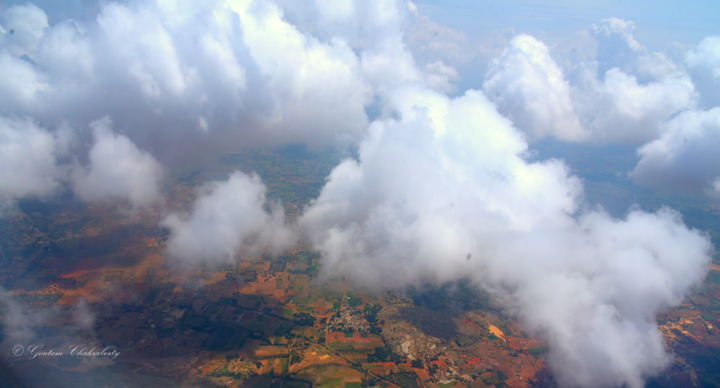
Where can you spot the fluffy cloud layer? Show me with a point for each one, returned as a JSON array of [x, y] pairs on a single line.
[[445, 193], [228, 218]]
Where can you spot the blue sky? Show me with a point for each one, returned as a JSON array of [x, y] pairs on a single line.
[[659, 22]]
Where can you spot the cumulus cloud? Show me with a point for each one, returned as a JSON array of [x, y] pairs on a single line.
[[445, 192], [22, 28], [623, 95], [35, 162], [431, 41], [620, 109], [441, 76], [617, 47], [703, 63], [529, 87], [228, 218], [685, 158], [628, 92], [189, 82], [28, 160], [377, 31], [210, 76], [117, 170]]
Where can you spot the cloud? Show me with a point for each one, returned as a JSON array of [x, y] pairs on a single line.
[[617, 47], [117, 170], [445, 192], [28, 160], [620, 109], [35, 162], [704, 66], [628, 92], [22, 28], [83, 316], [19, 322], [529, 87], [715, 189], [623, 95], [685, 157], [23, 324], [228, 218], [189, 82], [378, 33], [159, 69], [440, 76], [431, 41]]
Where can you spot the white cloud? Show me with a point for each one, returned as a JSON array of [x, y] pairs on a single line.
[[635, 92], [150, 59], [619, 109], [685, 158], [20, 84], [529, 87], [704, 66], [431, 41], [228, 218], [628, 92], [618, 48], [445, 193], [22, 28], [158, 68], [28, 160], [440, 76], [624, 95], [117, 170], [19, 322], [303, 71]]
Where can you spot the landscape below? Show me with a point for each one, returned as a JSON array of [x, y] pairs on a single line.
[[271, 320]]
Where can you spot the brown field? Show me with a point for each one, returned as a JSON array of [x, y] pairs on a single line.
[[357, 340], [331, 376], [271, 351]]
